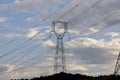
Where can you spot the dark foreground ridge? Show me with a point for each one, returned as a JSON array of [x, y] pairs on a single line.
[[68, 76]]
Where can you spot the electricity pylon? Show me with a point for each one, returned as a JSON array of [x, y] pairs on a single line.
[[60, 29], [117, 67]]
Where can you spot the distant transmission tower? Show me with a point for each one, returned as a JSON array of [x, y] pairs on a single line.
[[59, 29], [117, 67]]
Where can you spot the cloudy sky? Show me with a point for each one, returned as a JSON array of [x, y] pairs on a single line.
[[26, 50]]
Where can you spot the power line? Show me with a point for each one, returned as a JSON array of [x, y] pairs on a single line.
[[30, 62], [43, 20], [66, 12], [95, 24], [49, 16], [29, 51], [101, 30], [52, 13], [23, 42], [13, 40], [13, 50], [85, 11], [19, 46], [103, 19], [77, 5], [94, 4], [26, 54], [22, 54]]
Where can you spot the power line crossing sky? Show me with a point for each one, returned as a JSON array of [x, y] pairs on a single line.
[[25, 27]]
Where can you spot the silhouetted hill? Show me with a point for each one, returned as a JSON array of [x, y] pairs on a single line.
[[67, 76]]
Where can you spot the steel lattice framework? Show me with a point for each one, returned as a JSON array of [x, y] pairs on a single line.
[[117, 67], [59, 29]]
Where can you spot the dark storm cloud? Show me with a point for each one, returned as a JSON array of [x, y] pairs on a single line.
[[114, 22], [93, 55]]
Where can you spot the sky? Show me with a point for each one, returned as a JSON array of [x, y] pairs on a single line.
[[27, 51]]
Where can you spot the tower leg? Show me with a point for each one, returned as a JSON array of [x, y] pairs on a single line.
[[60, 63], [117, 67]]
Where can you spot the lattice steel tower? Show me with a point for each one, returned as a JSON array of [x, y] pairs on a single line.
[[59, 29], [117, 67]]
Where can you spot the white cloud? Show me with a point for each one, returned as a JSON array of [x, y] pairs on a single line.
[[48, 43], [3, 19], [73, 67], [89, 42], [4, 70], [74, 31], [93, 51], [29, 19], [113, 34], [83, 42], [31, 32], [93, 30]]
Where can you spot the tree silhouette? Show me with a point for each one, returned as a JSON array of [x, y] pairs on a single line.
[[68, 76]]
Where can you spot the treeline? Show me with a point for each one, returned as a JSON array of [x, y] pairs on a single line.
[[66, 76]]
